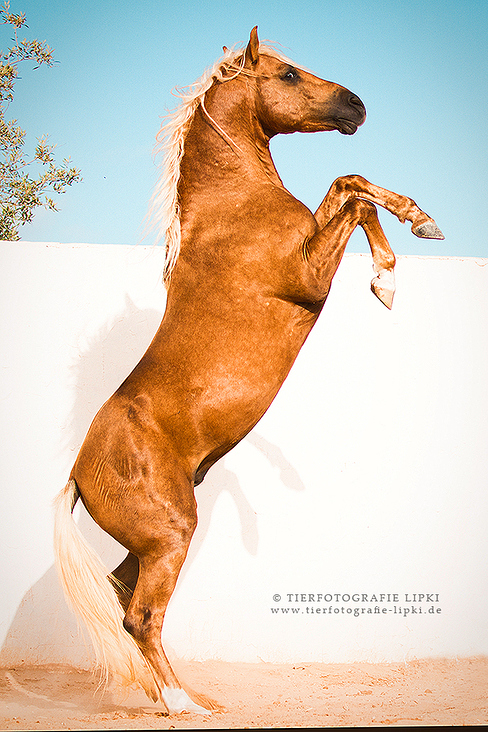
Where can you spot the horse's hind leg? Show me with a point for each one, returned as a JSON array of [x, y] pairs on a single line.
[[126, 575], [144, 621], [163, 546]]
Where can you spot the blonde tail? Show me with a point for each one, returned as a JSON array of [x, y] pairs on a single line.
[[92, 597]]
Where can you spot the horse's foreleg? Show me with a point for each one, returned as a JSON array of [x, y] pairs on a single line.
[[323, 252], [383, 285], [404, 208], [351, 187]]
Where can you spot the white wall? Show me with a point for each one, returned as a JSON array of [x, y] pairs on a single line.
[[367, 475]]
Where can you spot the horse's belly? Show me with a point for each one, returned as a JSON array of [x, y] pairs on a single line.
[[230, 389]]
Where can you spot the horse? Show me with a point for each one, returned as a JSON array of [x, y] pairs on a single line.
[[248, 269]]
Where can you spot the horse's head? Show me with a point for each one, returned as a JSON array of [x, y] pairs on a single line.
[[290, 99]]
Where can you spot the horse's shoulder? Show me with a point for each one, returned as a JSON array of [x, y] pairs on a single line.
[[278, 201], [297, 214]]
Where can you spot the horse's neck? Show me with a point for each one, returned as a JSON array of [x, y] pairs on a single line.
[[225, 145]]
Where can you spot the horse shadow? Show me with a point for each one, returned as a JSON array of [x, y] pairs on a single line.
[[221, 480], [43, 621]]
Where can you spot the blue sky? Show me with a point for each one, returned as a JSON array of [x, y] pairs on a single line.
[[419, 67]]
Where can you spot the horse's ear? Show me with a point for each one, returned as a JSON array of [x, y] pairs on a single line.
[[252, 50]]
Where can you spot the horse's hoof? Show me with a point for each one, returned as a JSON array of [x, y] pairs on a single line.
[[428, 230], [383, 286], [177, 701]]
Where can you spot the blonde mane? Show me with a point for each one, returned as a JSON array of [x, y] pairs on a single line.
[[164, 214]]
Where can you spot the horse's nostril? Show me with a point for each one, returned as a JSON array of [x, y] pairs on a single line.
[[359, 109], [355, 101]]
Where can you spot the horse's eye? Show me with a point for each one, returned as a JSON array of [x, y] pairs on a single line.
[[291, 75]]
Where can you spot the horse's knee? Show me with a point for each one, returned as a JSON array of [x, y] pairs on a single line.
[[349, 184], [360, 210]]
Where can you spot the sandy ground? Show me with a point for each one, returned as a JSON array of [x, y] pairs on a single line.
[[429, 692]]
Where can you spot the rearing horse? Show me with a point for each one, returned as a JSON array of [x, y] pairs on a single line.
[[248, 271]]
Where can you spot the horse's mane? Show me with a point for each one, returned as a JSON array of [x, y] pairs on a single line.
[[164, 215]]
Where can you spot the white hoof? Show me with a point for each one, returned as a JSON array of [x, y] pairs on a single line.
[[178, 701], [383, 286]]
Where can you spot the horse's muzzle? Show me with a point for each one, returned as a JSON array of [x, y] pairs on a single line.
[[352, 116]]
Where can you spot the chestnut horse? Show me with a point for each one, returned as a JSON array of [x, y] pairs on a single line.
[[248, 271]]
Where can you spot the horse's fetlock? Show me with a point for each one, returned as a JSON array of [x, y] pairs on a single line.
[[389, 261], [407, 211]]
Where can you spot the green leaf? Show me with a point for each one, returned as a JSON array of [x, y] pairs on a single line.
[[21, 193]]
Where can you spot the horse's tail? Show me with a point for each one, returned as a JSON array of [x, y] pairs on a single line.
[[91, 595]]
